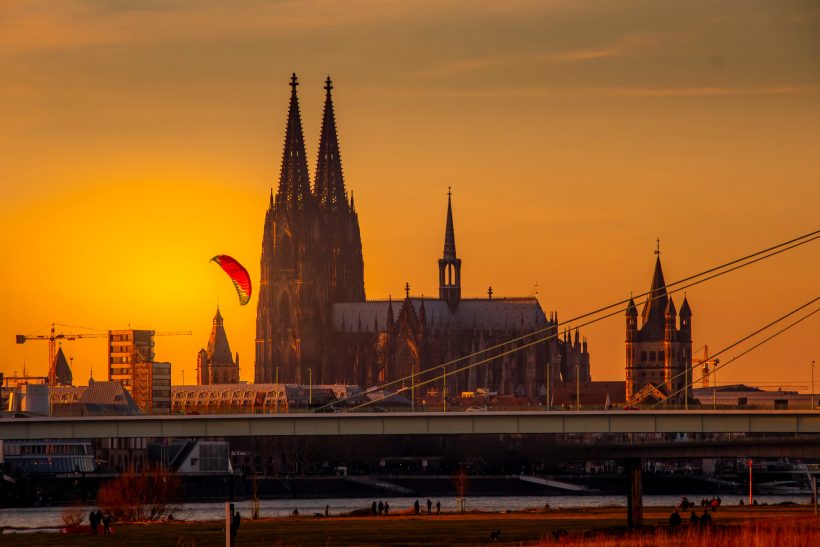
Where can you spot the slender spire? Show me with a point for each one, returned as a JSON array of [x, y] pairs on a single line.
[[449, 266], [685, 310], [449, 231], [631, 310], [655, 306], [330, 184], [294, 182]]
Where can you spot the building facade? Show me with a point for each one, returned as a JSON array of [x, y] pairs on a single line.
[[659, 351], [315, 325], [125, 349], [215, 364], [131, 363]]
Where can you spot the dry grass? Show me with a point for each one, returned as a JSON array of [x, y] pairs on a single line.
[[782, 532], [601, 527]]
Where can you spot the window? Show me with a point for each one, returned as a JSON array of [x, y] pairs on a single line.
[[643, 357], [651, 355], [660, 355]]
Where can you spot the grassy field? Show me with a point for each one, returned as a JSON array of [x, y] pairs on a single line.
[[746, 526]]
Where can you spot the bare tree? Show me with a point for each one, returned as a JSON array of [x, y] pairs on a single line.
[[461, 481], [139, 497]]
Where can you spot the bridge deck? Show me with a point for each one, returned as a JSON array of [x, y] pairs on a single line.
[[428, 423]]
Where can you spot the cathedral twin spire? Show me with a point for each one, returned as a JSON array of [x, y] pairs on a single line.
[[294, 181]]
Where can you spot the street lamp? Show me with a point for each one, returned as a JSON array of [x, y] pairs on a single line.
[[276, 400], [310, 387], [413, 389], [577, 388], [750, 481], [812, 385], [444, 391]]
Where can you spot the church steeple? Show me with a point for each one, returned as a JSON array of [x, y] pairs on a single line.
[[330, 186], [655, 307], [294, 182], [449, 266]]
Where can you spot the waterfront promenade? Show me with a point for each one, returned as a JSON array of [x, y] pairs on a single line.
[[537, 527]]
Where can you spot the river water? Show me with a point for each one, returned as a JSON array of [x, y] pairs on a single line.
[[45, 517]]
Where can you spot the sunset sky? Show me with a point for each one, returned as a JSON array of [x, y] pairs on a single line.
[[140, 138]]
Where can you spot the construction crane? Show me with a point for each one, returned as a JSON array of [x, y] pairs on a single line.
[[52, 339], [706, 372]]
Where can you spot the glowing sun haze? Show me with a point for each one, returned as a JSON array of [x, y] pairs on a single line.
[[141, 138]]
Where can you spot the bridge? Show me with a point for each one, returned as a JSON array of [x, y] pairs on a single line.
[[793, 422], [625, 435]]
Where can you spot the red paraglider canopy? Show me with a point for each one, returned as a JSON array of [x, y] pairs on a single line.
[[239, 276]]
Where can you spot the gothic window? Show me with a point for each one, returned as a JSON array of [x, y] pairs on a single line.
[[643, 357], [651, 355], [284, 310], [660, 355]]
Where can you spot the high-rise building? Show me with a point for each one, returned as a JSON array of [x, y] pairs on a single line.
[[131, 363], [125, 349], [216, 365], [659, 352], [313, 318]]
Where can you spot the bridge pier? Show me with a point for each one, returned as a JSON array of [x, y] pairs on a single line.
[[634, 495]]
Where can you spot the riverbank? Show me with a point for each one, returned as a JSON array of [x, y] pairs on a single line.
[[601, 527]]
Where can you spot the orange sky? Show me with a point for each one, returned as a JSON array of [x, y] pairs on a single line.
[[139, 139]]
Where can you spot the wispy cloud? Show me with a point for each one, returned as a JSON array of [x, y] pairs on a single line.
[[32, 25], [632, 43]]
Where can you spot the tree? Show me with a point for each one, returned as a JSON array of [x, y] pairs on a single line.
[[139, 497], [461, 481]]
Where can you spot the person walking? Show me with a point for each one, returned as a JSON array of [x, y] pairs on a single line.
[[327, 510], [429, 507], [373, 509], [705, 519], [106, 524], [235, 522], [94, 522], [386, 509], [438, 508], [693, 519], [417, 507]]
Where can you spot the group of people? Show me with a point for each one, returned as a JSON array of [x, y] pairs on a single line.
[[95, 518], [694, 520], [417, 507], [383, 508], [713, 503]]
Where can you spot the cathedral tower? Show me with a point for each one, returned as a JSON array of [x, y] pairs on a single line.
[[292, 307], [345, 267], [311, 258]]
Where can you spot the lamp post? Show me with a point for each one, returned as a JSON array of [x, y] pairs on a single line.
[[444, 391], [310, 387], [751, 499], [577, 388], [813, 407], [413, 390], [549, 371], [276, 401]]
